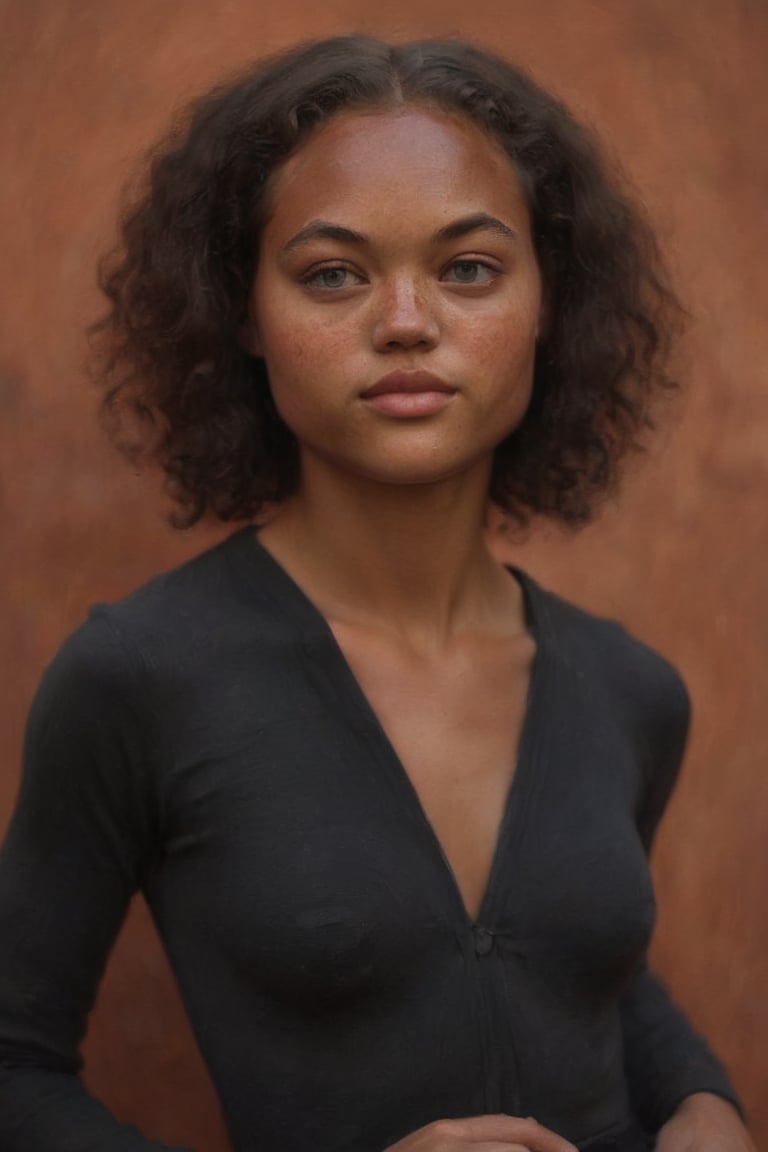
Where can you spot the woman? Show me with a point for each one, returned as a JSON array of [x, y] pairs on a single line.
[[389, 802]]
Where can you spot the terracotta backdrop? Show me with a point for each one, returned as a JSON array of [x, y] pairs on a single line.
[[679, 89]]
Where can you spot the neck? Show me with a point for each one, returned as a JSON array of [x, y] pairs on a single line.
[[411, 559]]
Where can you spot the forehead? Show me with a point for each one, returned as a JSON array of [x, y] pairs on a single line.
[[405, 166]]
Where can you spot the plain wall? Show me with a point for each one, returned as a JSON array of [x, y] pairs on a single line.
[[679, 90]]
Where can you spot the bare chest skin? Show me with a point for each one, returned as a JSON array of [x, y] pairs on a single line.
[[455, 723]]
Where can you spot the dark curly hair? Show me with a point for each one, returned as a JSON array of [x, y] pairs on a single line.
[[169, 349]]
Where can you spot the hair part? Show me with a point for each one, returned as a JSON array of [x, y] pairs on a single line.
[[181, 390]]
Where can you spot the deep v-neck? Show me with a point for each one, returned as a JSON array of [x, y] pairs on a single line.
[[315, 629]]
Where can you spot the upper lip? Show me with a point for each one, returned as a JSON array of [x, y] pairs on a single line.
[[407, 382]]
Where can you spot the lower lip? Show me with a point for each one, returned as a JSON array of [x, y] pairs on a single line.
[[410, 405]]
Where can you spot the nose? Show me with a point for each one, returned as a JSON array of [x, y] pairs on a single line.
[[405, 317]]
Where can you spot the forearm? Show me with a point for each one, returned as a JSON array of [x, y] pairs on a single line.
[[666, 1061], [704, 1123], [68, 868], [44, 1111]]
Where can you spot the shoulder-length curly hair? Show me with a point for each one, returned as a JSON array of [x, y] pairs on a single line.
[[178, 285]]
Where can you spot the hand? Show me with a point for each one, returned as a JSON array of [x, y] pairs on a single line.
[[484, 1134], [704, 1123]]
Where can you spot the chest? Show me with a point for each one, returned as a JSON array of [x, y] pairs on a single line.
[[297, 813], [455, 724]]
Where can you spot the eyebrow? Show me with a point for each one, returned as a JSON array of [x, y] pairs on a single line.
[[325, 230], [477, 222]]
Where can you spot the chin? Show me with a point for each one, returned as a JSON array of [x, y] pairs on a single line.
[[421, 458], [413, 473]]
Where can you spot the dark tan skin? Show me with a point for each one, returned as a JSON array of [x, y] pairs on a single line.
[[386, 533]]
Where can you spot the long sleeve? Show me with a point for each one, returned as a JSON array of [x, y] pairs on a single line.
[[74, 853], [665, 1059]]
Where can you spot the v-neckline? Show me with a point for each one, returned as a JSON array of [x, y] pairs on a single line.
[[315, 627]]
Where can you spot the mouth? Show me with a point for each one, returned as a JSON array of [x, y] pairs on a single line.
[[408, 384], [409, 395]]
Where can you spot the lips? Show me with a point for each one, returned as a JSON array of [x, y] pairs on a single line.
[[409, 395], [407, 383]]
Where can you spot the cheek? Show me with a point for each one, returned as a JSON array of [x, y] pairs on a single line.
[[303, 352], [504, 349], [504, 332], [304, 362], [504, 354]]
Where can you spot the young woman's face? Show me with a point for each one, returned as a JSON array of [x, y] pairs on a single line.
[[397, 297]]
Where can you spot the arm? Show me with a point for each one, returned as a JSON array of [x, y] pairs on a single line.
[[74, 854], [675, 1081], [665, 1060], [704, 1123]]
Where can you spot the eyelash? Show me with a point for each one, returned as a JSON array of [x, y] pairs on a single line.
[[474, 263], [312, 278]]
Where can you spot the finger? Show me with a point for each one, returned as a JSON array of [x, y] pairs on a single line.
[[495, 1146], [511, 1130]]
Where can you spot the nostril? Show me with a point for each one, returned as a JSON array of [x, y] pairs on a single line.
[[406, 327]]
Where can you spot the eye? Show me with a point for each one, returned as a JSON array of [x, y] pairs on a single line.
[[470, 272], [332, 277]]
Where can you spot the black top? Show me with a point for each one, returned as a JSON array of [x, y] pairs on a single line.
[[205, 740]]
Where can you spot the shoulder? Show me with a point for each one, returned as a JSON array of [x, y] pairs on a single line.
[[618, 677], [187, 599], [218, 601], [603, 651], [625, 683], [168, 625], [135, 667]]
